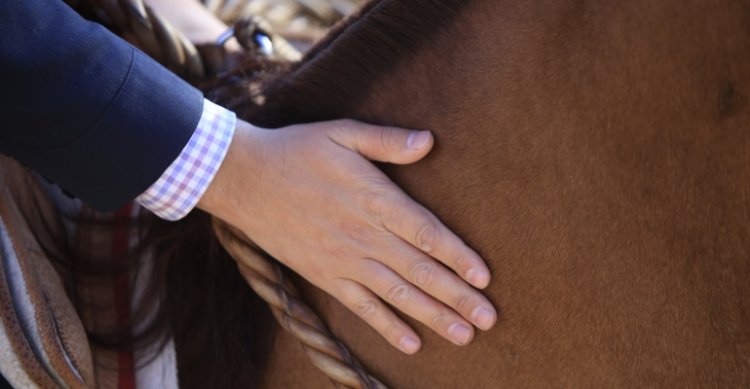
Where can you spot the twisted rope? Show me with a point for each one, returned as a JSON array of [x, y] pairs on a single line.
[[326, 12], [303, 21], [170, 47], [153, 34], [267, 280], [248, 27], [166, 44]]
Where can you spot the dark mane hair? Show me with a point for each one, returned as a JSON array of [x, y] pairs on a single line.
[[336, 74]]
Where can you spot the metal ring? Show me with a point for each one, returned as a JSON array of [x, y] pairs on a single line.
[[225, 36]]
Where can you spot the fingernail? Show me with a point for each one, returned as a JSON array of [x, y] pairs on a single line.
[[408, 344], [417, 140], [483, 318], [478, 278], [459, 333]]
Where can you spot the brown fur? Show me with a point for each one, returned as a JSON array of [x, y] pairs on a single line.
[[597, 154]]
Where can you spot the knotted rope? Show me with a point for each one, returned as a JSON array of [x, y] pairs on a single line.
[[170, 47]]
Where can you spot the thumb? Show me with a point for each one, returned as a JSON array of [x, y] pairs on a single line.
[[385, 144]]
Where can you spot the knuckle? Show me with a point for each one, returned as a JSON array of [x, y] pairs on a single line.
[[344, 124], [399, 294], [374, 201], [333, 249], [425, 236], [365, 308], [461, 263], [357, 233], [438, 321], [392, 331], [422, 273], [389, 139], [341, 127], [315, 272], [463, 304]]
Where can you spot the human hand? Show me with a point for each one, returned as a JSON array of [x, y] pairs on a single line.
[[307, 195]]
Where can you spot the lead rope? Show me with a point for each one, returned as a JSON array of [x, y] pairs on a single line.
[[164, 43], [267, 280], [323, 12], [170, 47], [152, 33]]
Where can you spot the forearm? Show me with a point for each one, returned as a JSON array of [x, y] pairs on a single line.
[[86, 109]]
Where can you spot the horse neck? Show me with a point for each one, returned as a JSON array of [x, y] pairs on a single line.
[[335, 76], [516, 91], [597, 156]]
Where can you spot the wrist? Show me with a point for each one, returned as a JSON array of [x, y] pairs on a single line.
[[242, 162], [179, 188]]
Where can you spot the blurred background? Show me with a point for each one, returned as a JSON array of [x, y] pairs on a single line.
[[154, 26], [302, 22]]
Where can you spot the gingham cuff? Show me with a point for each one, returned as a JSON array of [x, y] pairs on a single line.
[[182, 185]]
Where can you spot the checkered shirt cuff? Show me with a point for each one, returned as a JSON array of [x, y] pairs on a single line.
[[182, 185]]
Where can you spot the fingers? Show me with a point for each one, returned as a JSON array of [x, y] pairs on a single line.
[[409, 299], [417, 226], [353, 205], [385, 144], [372, 310], [442, 284], [369, 308], [401, 215]]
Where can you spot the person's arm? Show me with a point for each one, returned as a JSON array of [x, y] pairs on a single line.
[[86, 109], [106, 123], [307, 196]]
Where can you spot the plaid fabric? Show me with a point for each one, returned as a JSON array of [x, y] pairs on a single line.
[[113, 370], [101, 237], [115, 298], [185, 181]]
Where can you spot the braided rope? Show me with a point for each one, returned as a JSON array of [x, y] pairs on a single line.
[[267, 280]]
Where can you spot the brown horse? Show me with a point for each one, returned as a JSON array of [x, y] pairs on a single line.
[[597, 154]]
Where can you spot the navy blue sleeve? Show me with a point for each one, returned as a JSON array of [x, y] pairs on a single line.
[[84, 108]]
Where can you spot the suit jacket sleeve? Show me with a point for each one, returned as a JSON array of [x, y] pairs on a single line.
[[84, 108]]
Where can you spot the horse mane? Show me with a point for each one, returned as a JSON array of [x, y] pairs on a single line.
[[336, 74]]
